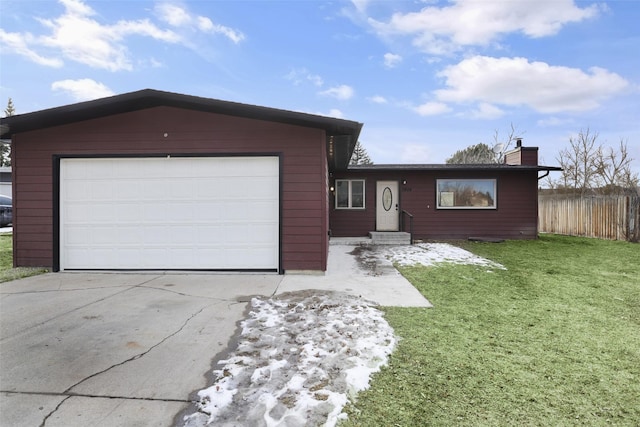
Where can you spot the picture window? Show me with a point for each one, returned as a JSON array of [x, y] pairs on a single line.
[[466, 193]]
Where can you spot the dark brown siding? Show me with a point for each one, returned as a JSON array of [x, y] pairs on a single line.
[[304, 193], [516, 216], [529, 156], [522, 156]]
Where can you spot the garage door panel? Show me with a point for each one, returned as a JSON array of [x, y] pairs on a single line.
[[76, 170], [76, 215], [77, 236], [178, 213], [78, 190]]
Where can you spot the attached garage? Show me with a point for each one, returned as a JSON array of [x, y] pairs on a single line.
[[169, 213], [164, 181]]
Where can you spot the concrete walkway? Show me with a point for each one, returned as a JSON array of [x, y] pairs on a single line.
[[350, 270], [101, 349]]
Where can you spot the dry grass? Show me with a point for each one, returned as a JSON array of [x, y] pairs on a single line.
[[7, 272]]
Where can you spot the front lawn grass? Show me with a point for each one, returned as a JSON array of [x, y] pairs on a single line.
[[7, 272], [554, 340]]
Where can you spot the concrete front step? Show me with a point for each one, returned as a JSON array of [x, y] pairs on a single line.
[[390, 238], [351, 241]]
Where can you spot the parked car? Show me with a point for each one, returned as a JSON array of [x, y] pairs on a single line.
[[6, 211]]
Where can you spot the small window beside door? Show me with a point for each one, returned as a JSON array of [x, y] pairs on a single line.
[[349, 193]]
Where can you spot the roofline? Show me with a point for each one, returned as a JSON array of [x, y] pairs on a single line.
[[345, 133], [149, 98], [443, 167]]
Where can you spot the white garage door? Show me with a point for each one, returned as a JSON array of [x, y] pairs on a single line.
[[169, 213]]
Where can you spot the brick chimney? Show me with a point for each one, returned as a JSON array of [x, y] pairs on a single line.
[[521, 155]]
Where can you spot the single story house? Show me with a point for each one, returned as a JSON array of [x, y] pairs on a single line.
[[153, 180], [441, 201]]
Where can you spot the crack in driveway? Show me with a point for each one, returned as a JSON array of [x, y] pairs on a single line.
[[97, 396], [192, 312], [68, 396], [68, 393], [75, 308], [44, 291], [139, 355], [185, 294], [44, 420]]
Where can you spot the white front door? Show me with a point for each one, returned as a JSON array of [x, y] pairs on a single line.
[[387, 206]]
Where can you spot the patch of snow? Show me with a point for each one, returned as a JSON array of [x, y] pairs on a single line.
[[301, 356], [429, 254]]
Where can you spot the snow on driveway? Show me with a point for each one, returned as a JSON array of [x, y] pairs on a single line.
[[301, 356]]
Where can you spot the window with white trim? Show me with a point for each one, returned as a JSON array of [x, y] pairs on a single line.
[[466, 193], [349, 193]]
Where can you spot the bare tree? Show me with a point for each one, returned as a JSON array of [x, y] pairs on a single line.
[[501, 146], [614, 169], [483, 153], [588, 167], [578, 162], [360, 156]]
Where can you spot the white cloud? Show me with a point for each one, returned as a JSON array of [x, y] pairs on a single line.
[[154, 63], [19, 44], [204, 23], [554, 121], [77, 7], [432, 108], [487, 111], [173, 15], [377, 99], [180, 17], [538, 85], [143, 27], [441, 30], [301, 75], [233, 35], [334, 112], [77, 35], [315, 79], [391, 60], [360, 5], [342, 92], [415, 153], [82, 89], [80, 38]]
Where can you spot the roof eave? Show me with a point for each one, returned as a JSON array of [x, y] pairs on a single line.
[[342, 133], [449, 167], [149, 98]]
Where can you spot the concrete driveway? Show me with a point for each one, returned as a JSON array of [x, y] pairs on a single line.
[[79, 349], [114, 349]]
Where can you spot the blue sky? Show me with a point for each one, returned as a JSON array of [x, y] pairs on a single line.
[[426, 78]]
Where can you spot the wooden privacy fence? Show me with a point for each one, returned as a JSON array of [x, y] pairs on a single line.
[[603, 217]]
